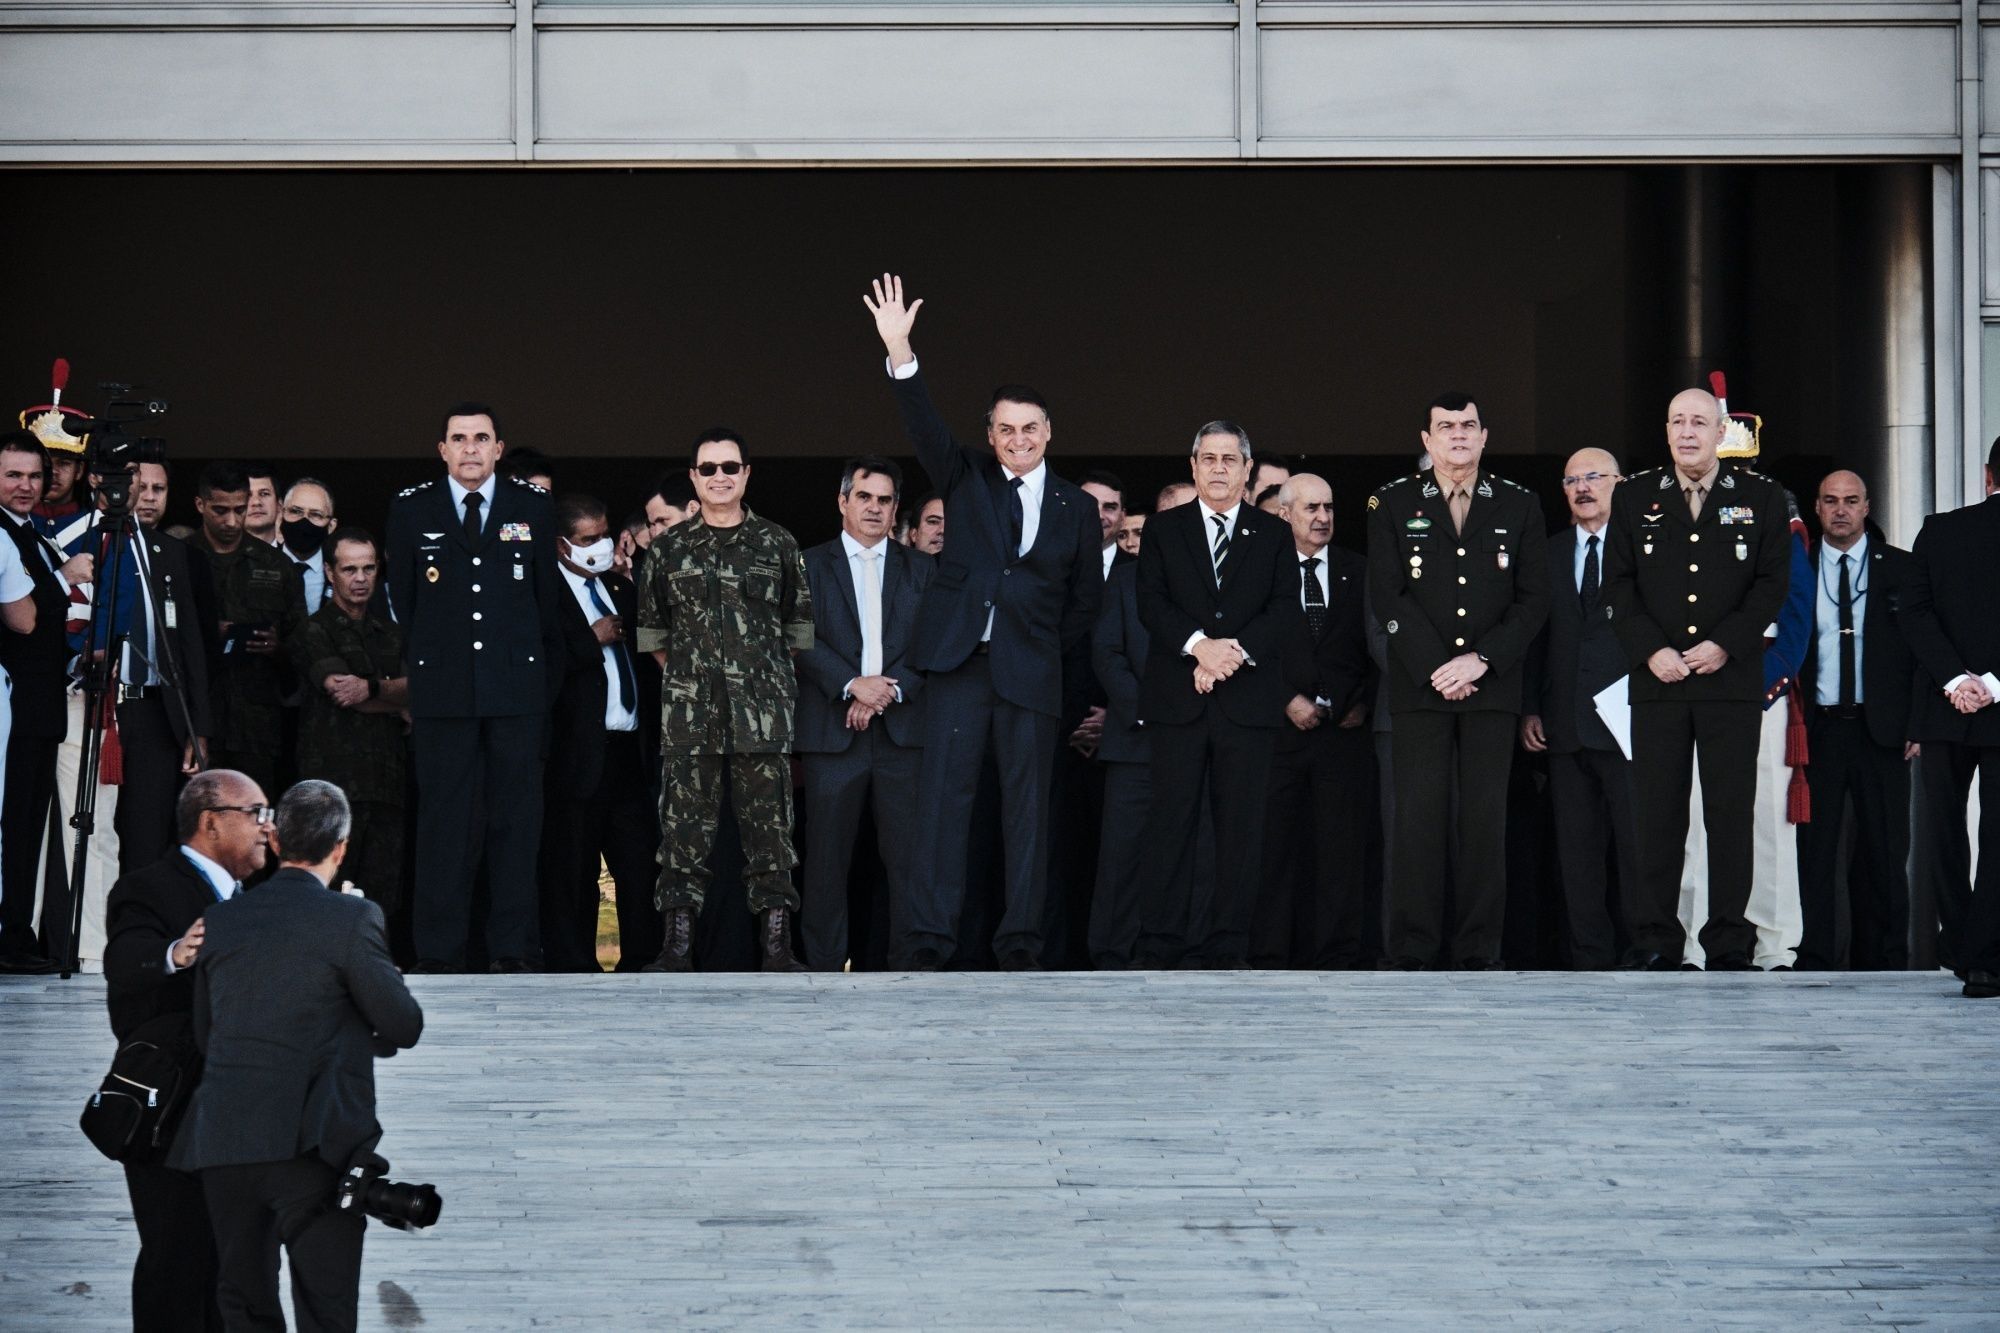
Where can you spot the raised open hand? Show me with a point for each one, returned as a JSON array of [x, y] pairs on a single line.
[[893, 319]]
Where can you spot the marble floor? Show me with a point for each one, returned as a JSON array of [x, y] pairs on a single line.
[[1185, 1150]]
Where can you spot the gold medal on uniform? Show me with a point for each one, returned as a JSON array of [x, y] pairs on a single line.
[[432, 573]]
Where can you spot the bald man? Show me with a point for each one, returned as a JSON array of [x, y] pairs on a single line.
[[1590, 779], [1858, 679], [1698, 565]]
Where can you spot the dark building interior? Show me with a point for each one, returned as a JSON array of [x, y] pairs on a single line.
[[322, 318]]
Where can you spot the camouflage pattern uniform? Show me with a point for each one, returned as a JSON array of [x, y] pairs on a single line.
[[727, 606], [361, 753], [254, 584]]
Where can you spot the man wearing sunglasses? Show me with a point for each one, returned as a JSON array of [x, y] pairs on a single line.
[[156, 925], [473, 582], [723, 604]]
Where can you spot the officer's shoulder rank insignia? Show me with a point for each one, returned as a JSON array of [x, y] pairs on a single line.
[[525, 484], [420, 486], [1515, 484], [1374, 502]]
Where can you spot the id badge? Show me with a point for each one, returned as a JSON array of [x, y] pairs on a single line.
[[173, 617]]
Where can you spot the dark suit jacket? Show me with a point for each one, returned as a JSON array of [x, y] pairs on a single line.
[[1043, 604], [835, 657], [1336, 666], [1950, 616], [1118, 660], [1888, 671], [295, 996], [1673, 581], [1574, 659], [148, 910], [514, 672], [576, 722], [1256, 605], [39, 660]]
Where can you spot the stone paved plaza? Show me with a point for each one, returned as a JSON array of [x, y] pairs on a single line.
[[1186, 1150]]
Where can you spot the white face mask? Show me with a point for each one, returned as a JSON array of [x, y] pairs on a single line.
[[595, 557]]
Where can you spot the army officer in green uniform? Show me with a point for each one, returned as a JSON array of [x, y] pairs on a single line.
[[1457, 575], [351, 727], [722, 604], [262, 601]]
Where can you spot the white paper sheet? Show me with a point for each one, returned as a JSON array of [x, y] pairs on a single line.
[[1614, 705]]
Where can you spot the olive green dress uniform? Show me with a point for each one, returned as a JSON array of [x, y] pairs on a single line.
[[728, 606], [361, 753], [1672, 581], [254, 584], [1439, 593]]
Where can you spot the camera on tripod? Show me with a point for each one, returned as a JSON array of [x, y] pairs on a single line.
[[113, 453], [393, 1203]]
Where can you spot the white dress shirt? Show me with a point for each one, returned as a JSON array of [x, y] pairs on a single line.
[[617, 717], [313, 572], [869, 575], [458, 494], [1325, 588], [1208, 517], [220, 882], [1110, 554], [1826, 617], [52, 555]]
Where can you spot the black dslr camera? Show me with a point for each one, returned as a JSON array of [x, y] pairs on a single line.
[[113, 454], [393, 1203]]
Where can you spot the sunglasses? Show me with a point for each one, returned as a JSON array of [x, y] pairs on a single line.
[[729, 469]]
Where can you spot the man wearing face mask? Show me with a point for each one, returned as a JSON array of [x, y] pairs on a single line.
[[351, 726], [304, 522], [596, 805]]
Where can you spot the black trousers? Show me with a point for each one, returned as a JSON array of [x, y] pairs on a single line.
[[258, 1207], [145, 820], [1230, 764], [1870, 929], [476, 775], [967, 718], [24, 821], [1429, 749], [616, 824], [1667, 738], [1309, 901], [1942, 892], [1592, 795], [873, 772], [1076, 809], [173, 1281], [1969, 926]]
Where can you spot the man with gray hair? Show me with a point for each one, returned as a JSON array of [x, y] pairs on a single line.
[[1217, 596], [295, 998], [304, 523]]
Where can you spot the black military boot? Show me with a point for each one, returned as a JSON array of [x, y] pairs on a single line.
[[774, 938], [678, 956]]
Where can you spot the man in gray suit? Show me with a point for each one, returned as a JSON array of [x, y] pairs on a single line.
[[295, 996], [860, 725]]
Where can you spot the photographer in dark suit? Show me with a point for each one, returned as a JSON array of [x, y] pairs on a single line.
[[1590, 780], [598, 803], [157, 923], [860, 719], [1218, 595], [295, 998], [1003, 631]]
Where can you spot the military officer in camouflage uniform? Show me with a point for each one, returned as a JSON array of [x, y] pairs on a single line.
[[722, 597], [262, 602], [351, 728], [1457, 574]]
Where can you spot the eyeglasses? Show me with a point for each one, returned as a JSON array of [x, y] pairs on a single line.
[[1589, 479], [318, 516], [260, 813], [729, 469]]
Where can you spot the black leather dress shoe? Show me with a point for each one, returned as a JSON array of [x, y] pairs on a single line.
[[1982, 985], [1400, 965], [1640, 961], [1019, 960], [27, 964], [431, 967], [1734, 962], [1480, 965], [926, 960], [1664, 964], [508, 966]]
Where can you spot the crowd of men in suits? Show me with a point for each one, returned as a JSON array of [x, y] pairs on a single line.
[[1015, 723]]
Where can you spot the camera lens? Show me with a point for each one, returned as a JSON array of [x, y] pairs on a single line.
[[401, 1205]]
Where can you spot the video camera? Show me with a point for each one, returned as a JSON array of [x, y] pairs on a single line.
[[393, 1203], [113, 454]]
